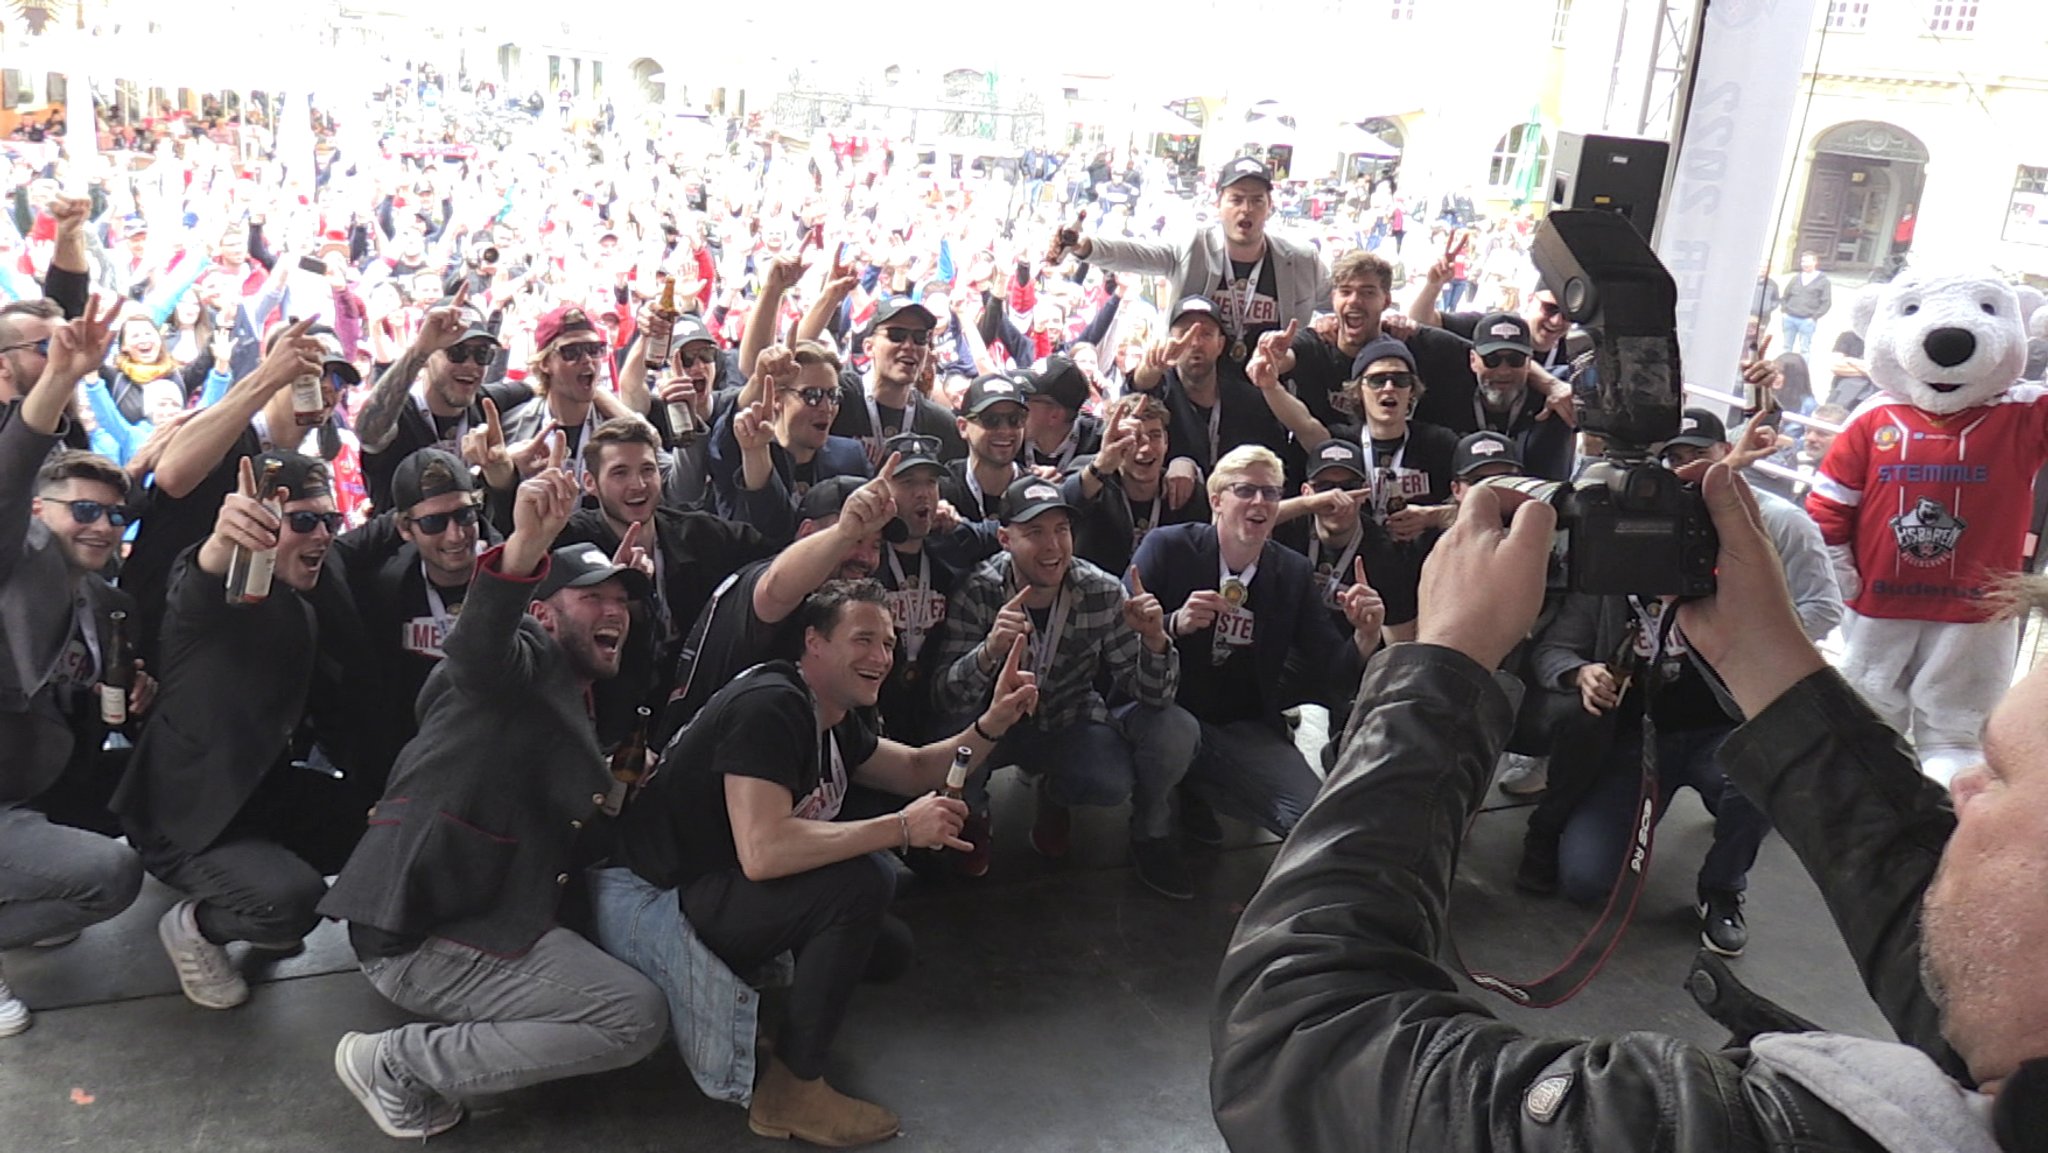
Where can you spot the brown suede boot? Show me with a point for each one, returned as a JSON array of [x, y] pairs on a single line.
[[814, 1111]]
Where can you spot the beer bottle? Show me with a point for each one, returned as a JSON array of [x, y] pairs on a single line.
[[956, 777], [682, 418], [249, 572], [307, 403], [119, 674], [629, 760]]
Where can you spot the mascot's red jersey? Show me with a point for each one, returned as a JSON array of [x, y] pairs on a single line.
[[1936, 506]]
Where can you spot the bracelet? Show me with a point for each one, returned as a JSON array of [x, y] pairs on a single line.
[[1091, 470], [905, 819], [984, 734]]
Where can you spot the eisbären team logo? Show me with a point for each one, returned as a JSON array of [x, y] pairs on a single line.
[[1928, 534]]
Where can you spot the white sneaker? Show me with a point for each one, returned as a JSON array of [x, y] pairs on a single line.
[[1524, 776], [204, 971], [14, 1017], [398, 1113]]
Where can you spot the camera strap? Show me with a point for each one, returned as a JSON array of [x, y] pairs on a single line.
[[1585, 960]]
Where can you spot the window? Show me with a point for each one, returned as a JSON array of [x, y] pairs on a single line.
[[1518, 161], [1560, 22], [2026, 216], [1848, 15], [1403, 10], [1952, 17]]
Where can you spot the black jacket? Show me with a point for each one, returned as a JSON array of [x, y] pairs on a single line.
[[474, 837], [1336, 1028]]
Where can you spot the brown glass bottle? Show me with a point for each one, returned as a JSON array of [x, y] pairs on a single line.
[[118, 677], [629, 760], [956, 777], [249, 572]]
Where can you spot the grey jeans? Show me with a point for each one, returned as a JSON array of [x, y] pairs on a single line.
[[1253, 772], [56, 880], [562, 1009]]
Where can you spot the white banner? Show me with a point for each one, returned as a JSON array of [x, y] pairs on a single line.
[[1731, 174]]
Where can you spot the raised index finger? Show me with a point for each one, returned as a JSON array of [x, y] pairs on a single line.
[[558, 447], [1012, 662], [461, 296], [491, 421], [1358, 572], [1137, 582], [886, 476]]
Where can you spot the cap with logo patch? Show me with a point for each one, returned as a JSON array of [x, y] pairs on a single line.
[[1480, 449], [1030, 497], [894, 308], [1195, 306], [1502, 332], [475, 325], [915, 450], [689, 330], [1245, 168], [1339, 453], [1700, 428], [580, 566], [993, 389]]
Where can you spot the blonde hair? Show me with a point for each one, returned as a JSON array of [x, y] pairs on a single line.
[[1241, 460]]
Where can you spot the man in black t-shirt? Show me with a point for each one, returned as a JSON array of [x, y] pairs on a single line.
[[919, 567], [742, 823], [1118, 495], [1211, 405]]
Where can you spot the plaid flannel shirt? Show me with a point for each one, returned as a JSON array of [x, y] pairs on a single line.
[[1095, 635]]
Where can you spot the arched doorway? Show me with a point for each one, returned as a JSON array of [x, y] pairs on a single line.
[[649, 81], [1864, 175]]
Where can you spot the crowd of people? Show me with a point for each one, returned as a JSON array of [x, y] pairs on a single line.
[[662, 549]]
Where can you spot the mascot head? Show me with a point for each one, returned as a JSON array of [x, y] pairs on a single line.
[[1942, 343]]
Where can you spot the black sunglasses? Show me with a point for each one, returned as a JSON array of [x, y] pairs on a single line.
[[815, 397], [1504, 359], [436, 523], [479, 351], [90, 511], [999, 419], [304, 523], [1375, 381], [1336, 485], [917, 336], [926, 446], [686, 358], [589, 350]]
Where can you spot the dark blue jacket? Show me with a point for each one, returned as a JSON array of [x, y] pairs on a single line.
[[1178, 559], [840, 456]]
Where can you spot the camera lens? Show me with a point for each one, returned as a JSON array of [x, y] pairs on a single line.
[[491, 254]]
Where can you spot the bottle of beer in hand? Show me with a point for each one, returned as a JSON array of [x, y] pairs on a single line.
[[956, 777], [629, 760], [682, 417], [249, 572], [118, 677], [308, 406]]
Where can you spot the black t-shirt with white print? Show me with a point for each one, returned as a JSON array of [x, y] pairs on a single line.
[[1262, 315]]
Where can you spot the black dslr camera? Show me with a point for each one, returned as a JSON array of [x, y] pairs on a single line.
[[1630, 525]]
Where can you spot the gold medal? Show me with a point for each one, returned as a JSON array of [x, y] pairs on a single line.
[[1238, 352], [1396, 503], [1234, 593]]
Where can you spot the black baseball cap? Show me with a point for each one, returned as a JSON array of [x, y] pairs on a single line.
[[1700, 428], [1194, 305], [827, 497], [1338, 453], [896, 307], [1244, 168], [1480, 449], [916, 449], [1502, 332], [993, 389], [1060, 380], [689, 330], [579, 566], [1381, 348], [475, 325], [1028, 497], [301, 477], [429, 473], [333, 357]]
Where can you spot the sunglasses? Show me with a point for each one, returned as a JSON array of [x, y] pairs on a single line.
[[436, 523], [815, 397], [1245, 490], [1549, 308], [1336, 485], [480, 352], [304, 523], [587, 350], [42, 346], [1374, 381], [90, 511], [910, 446], [1504, 359], [917, 336], [701, 356], [999, 419]]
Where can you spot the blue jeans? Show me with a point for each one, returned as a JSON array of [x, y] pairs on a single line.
[[1598, 833], [1139, 757], [1799, 333]]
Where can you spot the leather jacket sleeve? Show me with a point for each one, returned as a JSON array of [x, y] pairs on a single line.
[[1337, 1029]]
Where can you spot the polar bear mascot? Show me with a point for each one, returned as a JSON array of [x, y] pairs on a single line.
[[1924, 502]]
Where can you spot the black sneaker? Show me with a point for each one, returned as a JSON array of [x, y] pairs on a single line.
[[1198, 820], [1721, 925], [1538, 871], [1159, 865]]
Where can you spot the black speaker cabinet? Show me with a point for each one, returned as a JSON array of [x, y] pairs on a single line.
[[1619, 174]]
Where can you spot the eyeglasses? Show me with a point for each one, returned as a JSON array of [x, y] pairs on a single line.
[[1245, 490], [1374, 381], [90, 511], [436, 523], [1504, 359], [999, 419], [815, 397], [42, 346], [1336, 485], [917, 336], [304, 523], [701, 356], [925, 446], [483, 352], [587, 350]]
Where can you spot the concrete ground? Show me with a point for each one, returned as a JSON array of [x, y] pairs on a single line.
[[1053, 1008]]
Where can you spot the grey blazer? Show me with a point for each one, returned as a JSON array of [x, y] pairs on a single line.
[[1300, 279]]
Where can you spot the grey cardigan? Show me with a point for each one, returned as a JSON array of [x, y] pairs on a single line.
[[1300, 279]]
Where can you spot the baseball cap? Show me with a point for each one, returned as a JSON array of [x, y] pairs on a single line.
[[993, 389], [1191, 305], [1381, 348], [688, 330], [475, 325], [562, 322], [1700, 428], [1029, 497], [429, 473], [1244, 168], [579, 566], [301, 477], [333, 357], [1480, 449], [895, 307], [1338, 453], [1502, 332], [827, 497], [916, 449], [1060, 380]]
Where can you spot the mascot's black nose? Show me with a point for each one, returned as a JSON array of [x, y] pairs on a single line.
[[1949, 347]]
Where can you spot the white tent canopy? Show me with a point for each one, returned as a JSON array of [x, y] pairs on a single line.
[[1356, 141]]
